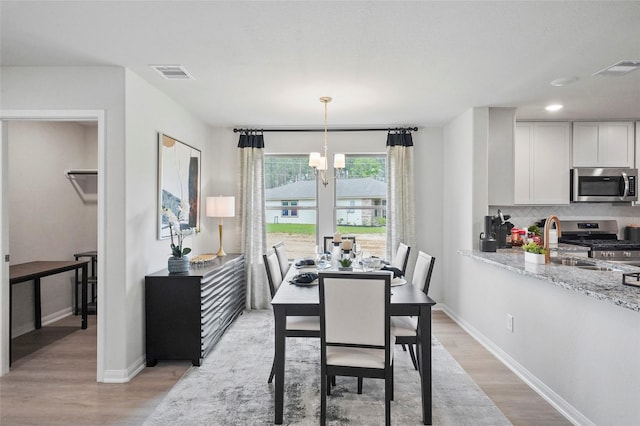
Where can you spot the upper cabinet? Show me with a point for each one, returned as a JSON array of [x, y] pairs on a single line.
[[603, 144], [541, 163]]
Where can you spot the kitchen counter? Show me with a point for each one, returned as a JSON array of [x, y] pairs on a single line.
[[602, 285]]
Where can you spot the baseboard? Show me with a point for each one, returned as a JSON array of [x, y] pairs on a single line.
[[46, 320], [563, 407], [125, 376]]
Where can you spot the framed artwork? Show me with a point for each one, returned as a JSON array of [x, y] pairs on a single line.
[[178, 183]]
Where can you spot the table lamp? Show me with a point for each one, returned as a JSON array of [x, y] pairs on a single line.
[[221, 206]]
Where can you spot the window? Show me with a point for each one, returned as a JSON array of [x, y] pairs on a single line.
[[361, 202], [289, 212], [292, 210], [291, 206]]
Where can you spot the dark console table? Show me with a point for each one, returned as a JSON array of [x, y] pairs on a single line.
[[187, 313]]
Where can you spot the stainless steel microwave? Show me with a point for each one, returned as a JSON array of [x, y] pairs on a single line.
[[604, 184]]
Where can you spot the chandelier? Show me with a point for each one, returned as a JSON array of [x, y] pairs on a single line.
[[319, 161]]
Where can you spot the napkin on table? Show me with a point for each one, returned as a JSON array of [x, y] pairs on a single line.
[[304, 278], [397, 273]]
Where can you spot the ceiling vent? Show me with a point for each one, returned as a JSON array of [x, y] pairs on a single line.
[[621, 68], [173, 72]]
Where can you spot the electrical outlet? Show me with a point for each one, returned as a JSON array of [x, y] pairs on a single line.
[[510, 322]]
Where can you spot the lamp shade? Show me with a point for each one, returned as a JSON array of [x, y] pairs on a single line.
[[221, 206], [314, 159], [322, 164]]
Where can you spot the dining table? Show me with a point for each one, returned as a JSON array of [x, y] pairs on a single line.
[[304, 300]]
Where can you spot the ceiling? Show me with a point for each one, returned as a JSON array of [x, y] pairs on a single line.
[[385, 63]]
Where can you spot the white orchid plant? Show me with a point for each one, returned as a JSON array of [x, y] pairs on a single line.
[[179, 229]]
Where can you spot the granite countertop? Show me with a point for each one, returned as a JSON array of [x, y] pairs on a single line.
[[602, 285]]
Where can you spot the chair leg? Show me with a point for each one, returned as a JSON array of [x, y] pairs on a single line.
[[273, 371], [328, 384], [404, 348], [392, 384], [388, 396], [324, 390], [333, 380], [359, 385], [413, 357]]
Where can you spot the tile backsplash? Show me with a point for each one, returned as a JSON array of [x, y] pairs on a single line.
[[524, 216]]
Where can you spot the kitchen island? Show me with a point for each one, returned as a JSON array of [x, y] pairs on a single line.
[[572, 334], [600, 284]]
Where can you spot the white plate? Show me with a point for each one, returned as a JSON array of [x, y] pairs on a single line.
[[398, 281], [327, 266]]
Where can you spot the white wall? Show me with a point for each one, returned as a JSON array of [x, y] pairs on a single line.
[[88, 88], [223, 179], [574, 348], [49, 220], [429, 170], [129, 166], [149, 111], [458, 221]]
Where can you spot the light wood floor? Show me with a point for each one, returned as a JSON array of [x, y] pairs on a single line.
[[52, 380]]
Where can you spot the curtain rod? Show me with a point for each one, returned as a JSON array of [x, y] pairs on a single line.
[[386, 129]]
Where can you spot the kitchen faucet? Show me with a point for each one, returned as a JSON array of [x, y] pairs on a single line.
[[547, 227]]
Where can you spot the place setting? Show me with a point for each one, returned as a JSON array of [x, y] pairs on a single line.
[[310, 267]]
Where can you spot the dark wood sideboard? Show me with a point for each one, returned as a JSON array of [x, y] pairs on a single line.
[[187, 313]]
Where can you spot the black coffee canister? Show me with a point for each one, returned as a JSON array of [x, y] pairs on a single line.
[[488, 244], [632, 233]]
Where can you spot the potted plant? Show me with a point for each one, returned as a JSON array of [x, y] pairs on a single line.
[[534, 253], [345, 264], [179, 261]]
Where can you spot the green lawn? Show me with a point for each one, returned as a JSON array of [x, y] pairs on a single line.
[[310, 229]]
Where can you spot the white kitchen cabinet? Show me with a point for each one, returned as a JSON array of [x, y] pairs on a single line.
[[603, 144], [541, 163]]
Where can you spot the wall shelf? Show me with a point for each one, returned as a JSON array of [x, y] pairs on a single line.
[[85, 182], [80, 173]]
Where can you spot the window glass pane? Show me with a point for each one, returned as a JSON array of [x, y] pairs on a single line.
[[361, 199], [299, 238], [291, 207]]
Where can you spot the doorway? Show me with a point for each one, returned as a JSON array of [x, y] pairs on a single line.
[[47, 145]]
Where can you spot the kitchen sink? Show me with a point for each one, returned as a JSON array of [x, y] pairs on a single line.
[[597, 268], [582, 264]]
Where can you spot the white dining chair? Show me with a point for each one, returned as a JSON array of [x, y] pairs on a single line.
[[355, 337], [283, 259], [401, 258], [405, 327], [297, 326]]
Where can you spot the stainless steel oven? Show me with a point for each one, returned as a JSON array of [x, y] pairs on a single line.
[[605, 184], [601, 238]]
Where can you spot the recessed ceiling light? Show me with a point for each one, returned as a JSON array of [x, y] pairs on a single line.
[[173, 72], [553, 107], [620, 68], [564, 81]]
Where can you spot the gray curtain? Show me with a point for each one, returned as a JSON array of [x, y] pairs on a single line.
[[400, 195], [252, 216]]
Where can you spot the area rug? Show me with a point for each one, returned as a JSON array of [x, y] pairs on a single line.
[[231, 388]]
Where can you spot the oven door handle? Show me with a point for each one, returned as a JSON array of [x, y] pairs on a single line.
[[625, 178]]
